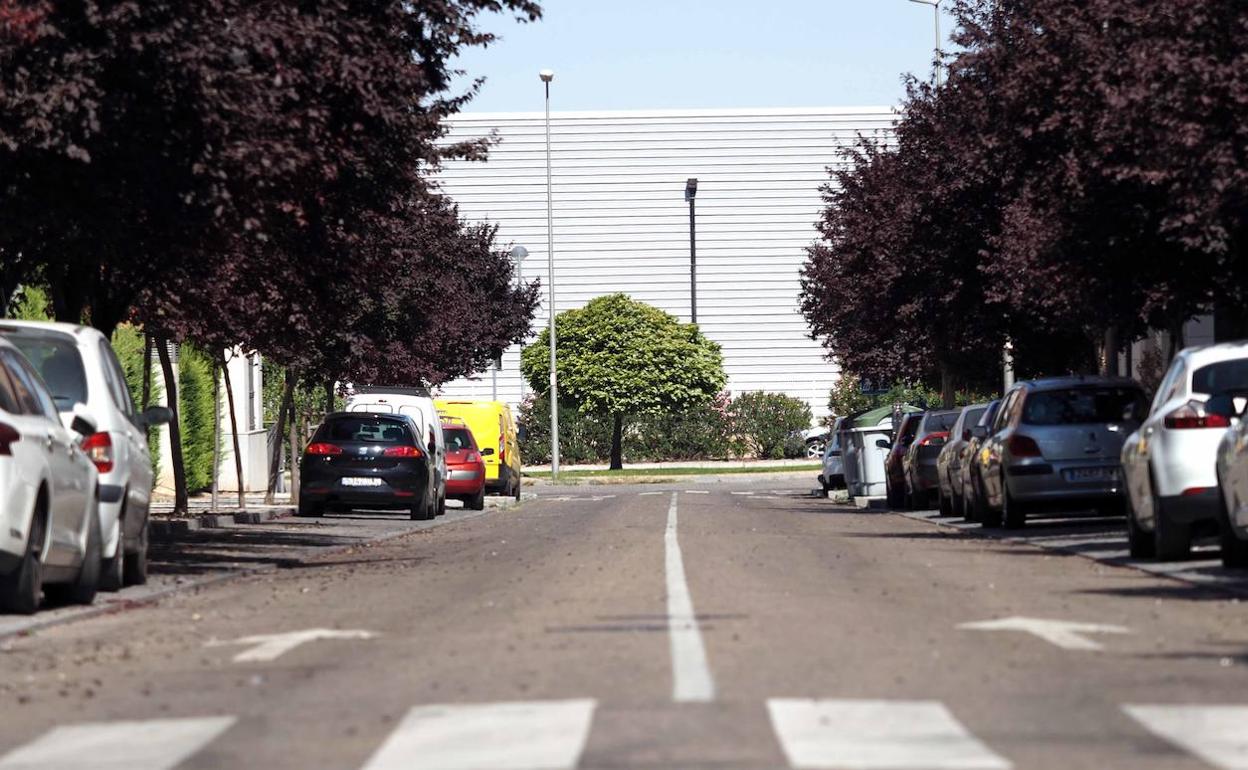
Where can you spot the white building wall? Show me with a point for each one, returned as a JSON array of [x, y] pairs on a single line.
[[621, 223]]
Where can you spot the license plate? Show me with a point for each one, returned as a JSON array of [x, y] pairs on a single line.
[[361, 481], [1092, 474]]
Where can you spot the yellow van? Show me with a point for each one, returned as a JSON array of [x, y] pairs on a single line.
[[494, 429]]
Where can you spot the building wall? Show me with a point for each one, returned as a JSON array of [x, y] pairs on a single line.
[[621, 222]]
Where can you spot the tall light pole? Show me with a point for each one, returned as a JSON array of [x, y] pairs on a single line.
[[547, 76], [936, 9], [518, 253], [691, 192]]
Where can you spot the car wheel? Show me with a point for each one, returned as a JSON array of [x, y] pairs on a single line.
[[1013, 516], [83, 589], [477, 501], [519, 486], [426, 510], [946, 505], [1140, 543], [988, 516], [112, 571], [896, 499], [310, 509], [1172, 540], [135, 572], [20, 589], [441, 505]]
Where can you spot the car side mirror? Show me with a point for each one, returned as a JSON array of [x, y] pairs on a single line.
[[884, 444], [156, 415], [489, 450], [82, 426]]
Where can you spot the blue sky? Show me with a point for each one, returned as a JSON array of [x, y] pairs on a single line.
[[632, 54]]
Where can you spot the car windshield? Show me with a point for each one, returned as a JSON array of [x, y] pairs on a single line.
[[59, 363], [457, 439], [1077, 406], [937, 422], [365, 430], [1221, 377]]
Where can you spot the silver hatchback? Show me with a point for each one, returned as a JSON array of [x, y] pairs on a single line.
[[1055, 443]]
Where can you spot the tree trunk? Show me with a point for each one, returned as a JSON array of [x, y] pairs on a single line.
[[329, 397], [180, 501], [279, 430], [238, 457], [1107, 356], [216, 435], [617, 443], [948, 390], [294, 461], [1174, 341]]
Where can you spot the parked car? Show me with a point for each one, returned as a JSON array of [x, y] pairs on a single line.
[[972, 499], [1232, 473], [1055, 443], [1170, 462], [919, 461], [816, 441], [894, 472], [50, 540], [494, 428], [417, 404], [84, 376], [368, 461], [464, 466], [832, 474], [949, 461]]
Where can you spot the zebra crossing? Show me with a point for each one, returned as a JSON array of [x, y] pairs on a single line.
[[552, 735]]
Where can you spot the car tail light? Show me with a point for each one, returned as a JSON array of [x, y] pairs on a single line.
[[1193, 415], [934, 439], [8, 436], [99, 448], [502, 447], [402, 451], [1023, 446], [1194, 491], [472, 457], [322, 450]]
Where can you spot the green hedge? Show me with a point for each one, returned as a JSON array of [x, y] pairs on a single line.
[[771, 423], [128, 344], [196, 405]]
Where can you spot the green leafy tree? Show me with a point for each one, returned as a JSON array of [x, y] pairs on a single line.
[[767, 420], [618, 357], [197, 403]]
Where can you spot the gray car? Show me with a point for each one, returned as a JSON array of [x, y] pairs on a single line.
[[1055, 443], [949, 462]]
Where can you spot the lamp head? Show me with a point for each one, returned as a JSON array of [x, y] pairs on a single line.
[[518, 253], [546, 75], [691, 188]]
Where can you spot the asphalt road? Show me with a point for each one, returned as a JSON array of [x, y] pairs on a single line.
[[558, 634]]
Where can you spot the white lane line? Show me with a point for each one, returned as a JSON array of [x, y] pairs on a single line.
[[691, 675], [648, 494], [153, 744], [1216, 734], [522, 735], [743, 494], [697, 492], [871, 735]]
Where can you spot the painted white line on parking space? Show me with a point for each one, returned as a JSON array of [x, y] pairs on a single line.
[[691, 674], [648, 494], [867, 734], [697, 492], [153, 744], [533, 735], [1216, 734], [743, 494]]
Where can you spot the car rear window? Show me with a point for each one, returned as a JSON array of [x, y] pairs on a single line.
[[365, 430], [972, 417], [1079, 406], [936, 422], [457, 439], [59, 363], [1221, 377]]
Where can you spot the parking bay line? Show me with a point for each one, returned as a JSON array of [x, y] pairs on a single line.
[[153, 744], [691, 675]]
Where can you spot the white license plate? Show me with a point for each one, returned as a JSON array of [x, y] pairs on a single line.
[[361, 481], [1092, 474]]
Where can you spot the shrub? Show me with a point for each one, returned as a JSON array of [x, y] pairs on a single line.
[[702, 432], [196, 403], [768, 420], [583, 438]]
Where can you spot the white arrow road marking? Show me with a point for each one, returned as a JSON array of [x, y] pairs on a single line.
[[691, 675], [154, 744], [875, 734], [1065, 634], [1216, 734], [488, 736], [273, 646]]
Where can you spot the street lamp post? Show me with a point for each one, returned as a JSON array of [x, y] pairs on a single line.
[[547, 76], [518, 253], [936, 9], [691, 192]]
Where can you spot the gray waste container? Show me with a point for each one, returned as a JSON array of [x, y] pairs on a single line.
[[864, 460]]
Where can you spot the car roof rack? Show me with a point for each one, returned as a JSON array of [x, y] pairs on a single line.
[[401, 390]]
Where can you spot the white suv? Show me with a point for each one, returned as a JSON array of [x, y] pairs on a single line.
[[1169, 463], [80, 368], [49, 528]]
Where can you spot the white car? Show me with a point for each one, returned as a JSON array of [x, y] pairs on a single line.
[[1232, 472], [832, 476], [417, 404], [49, 528], [1169, 462], [82, 372]]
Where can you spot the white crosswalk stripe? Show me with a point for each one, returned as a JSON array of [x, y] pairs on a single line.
[[536, 735], [877, 735], [153, 744], [1216, 734]]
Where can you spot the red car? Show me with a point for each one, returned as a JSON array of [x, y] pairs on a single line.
[[465, 470], [894, 470]]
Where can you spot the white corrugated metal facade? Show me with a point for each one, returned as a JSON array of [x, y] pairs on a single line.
[[621, 222]]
